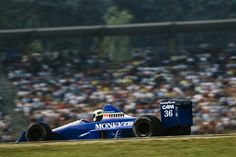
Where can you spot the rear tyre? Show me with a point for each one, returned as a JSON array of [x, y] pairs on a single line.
[[38, 132], [147, 126]]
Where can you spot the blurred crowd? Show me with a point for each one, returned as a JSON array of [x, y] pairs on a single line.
[[5, 127], [61, 87]]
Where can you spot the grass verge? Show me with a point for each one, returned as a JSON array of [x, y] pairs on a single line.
[[151, 147]]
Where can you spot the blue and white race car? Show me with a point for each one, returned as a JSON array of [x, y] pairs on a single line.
[[176, 119]]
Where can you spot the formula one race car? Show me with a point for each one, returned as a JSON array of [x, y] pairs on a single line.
[[176, 119]]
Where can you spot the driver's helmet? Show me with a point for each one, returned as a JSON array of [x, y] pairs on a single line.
[[97, 115]]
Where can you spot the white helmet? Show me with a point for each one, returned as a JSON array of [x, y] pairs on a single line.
[[97, 115]]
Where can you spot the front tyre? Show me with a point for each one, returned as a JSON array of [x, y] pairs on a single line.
[[38, 132], [147, 126]]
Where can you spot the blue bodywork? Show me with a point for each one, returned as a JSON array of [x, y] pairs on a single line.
[[116, 124], [176, 113]]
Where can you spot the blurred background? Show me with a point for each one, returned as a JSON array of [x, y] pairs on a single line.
[[59, 78]]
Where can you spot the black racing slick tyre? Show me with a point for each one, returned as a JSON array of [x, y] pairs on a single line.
[[38, 132], [147, 126]]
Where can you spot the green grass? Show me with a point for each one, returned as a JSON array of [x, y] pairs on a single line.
[[156, 147]]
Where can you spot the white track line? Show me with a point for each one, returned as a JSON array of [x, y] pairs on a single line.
[[134, 139]]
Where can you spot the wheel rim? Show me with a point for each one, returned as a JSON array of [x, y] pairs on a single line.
[[144, 128], [35, 134]]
